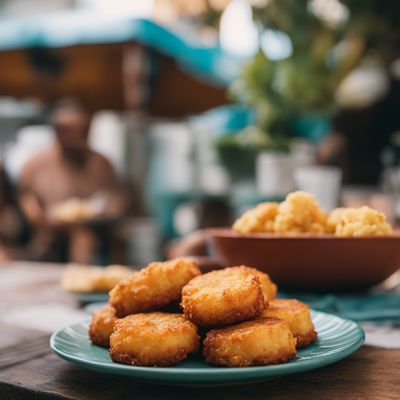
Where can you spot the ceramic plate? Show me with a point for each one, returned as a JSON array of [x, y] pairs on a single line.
[[90, 297], [92, 307], [337, 338]]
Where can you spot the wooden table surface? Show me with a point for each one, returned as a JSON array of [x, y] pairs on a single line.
[[370, 373]]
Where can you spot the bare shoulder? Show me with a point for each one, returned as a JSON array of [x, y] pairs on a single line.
[[37, 162]]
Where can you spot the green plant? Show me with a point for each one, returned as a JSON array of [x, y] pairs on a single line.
[[327, 43], [328, 39]]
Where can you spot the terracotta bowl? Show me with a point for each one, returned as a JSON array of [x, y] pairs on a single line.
[[311, 263]]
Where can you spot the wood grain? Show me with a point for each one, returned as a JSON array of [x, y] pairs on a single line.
[[364, 375]]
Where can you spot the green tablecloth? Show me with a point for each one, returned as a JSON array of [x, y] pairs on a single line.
[[380, 308]]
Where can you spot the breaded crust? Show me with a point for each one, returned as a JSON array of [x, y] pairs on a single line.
[[223, 297], [101, 325], [297, 315], [268, 287], [154, 287], [153, 339], [260, 342]]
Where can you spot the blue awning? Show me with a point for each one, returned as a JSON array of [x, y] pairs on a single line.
[[69, 28]]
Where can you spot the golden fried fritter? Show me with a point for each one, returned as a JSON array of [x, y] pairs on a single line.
[[258, 219], [297, 315], [268, 287], [154, 287], [260, 342], [300, 212], [223, 297], [361, 222], [101, 325], [153, 339]]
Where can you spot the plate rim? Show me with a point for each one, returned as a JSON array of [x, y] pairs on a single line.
[[219, 373]]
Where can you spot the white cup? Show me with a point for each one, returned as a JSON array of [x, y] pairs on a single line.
[[323, 182], [274, 174]]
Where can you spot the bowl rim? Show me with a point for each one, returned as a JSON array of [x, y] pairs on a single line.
[[227, 232]]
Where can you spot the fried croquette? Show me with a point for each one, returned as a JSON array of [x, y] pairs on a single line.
[[259, 342], [154, 287], [335, 216], [300, 212], [101, 325], [297, 315], [362, 222], [223, 297], [258, 219], [268, 287], [153, 339]]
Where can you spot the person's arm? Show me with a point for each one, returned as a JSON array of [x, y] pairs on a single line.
[[30, 204]]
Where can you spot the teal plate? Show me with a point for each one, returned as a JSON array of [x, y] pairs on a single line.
[[337, 339], [92, 307], [90, 297]]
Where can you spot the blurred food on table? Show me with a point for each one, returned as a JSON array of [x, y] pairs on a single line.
[[84, 278], [73, 210]]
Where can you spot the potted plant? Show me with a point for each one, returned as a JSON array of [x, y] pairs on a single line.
[[306, 51]]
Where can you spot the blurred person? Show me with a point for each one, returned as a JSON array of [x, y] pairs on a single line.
[[68, 169]]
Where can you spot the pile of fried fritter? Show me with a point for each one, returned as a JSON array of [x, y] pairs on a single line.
[[168, 310], [301, 213]]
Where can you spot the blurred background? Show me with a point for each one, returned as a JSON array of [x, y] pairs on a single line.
[[126, 125]]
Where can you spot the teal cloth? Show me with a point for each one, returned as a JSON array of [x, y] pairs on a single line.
[[380, 308]]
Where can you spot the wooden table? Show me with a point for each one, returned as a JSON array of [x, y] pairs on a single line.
[[370, 373]]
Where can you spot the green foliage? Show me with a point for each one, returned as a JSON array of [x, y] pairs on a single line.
[[323, 54], [283, 91]]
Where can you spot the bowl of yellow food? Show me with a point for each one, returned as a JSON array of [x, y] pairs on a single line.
[[303, 247]]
